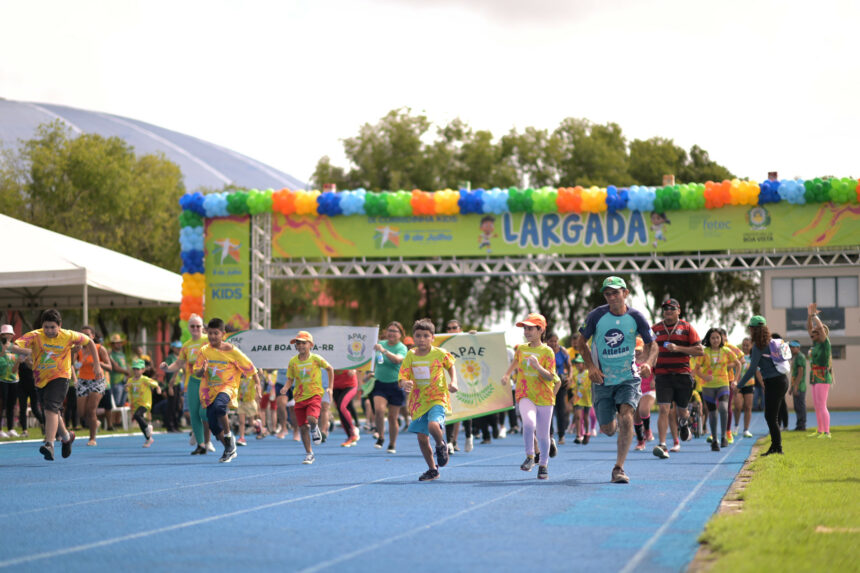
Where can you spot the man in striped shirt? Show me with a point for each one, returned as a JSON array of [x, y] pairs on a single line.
[[677, 340]]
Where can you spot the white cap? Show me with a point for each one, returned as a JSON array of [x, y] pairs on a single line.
[[7, 329]]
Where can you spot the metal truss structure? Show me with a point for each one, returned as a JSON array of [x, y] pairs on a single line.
[[261, 259], [264, 269]]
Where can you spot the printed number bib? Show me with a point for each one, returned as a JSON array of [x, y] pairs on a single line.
[[421, 374]]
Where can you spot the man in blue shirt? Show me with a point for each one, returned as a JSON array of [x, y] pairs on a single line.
[[611, 364]]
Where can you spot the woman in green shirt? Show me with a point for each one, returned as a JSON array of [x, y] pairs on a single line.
[[386, 391], [822, 369]]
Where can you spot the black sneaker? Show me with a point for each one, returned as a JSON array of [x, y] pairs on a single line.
[[429, 475], [585, 439], [543, 473], [715, 447], [379, 443], [684, 431], [661, 451], [442, 455], [229, 450], [199, 451], [527, 465], [67, 446], [724, 443], [537, 457], [47, 450], [553, 448]]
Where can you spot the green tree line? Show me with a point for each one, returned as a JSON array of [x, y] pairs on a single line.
[[404, 150]]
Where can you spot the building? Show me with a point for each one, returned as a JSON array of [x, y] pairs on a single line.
[[203, 164], [785, 295]]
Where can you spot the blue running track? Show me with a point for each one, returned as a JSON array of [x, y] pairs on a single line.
[[119, 507]]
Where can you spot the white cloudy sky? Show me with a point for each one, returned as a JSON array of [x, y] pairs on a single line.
[[762, 85]]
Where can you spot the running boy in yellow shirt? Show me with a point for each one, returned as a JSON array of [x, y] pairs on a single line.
[[51, 348], [305, 371], [422, 376], [220, 367], [139, 389]]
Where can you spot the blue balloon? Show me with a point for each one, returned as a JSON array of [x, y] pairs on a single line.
[[352, 202], [215, 205], [193, 202], [192, 261], [328, 203], [471, 201], [495, 201], [768, 192]]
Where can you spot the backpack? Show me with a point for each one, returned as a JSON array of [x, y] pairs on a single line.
[[780, 354]]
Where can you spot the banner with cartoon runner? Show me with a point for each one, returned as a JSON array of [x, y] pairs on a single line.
[[481, 360], [769, 226], [344, 347], [228, 270]]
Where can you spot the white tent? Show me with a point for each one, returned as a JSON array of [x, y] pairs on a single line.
[[42, 269]]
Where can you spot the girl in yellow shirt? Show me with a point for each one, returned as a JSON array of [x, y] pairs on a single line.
[[714, 370]]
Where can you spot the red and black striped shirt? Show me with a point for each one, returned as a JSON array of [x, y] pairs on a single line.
[[682, 334]]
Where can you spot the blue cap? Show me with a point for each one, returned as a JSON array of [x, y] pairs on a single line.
[[176, 344], [794, 343]]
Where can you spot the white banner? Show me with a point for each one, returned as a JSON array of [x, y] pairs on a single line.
[[344, 347]]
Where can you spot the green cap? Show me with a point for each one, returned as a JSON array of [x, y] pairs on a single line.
[[138, 364], [613, 282], [757, 321], [579, 358]]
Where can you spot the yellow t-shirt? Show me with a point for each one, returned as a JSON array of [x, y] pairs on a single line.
[[529, 383], [52, 357], [223, 374], [581, 389], [306, 376], [140, 392], [738, 354], [248, 390], [430, 387], [716, 363], [188, 353]]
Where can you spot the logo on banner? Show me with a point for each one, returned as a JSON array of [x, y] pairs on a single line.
[[758, 218], [226, 251], [356, 347], [387, 237]]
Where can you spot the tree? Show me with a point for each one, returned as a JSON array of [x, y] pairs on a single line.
[[97, 190]]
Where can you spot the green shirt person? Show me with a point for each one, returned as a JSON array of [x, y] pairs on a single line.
[[798, 369]]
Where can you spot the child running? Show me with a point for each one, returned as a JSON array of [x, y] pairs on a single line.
[[581, 399], [305, 371], [139, 389], [715, 369], [642, 415], [220, 367], [422, 376], [51, 348], [249, 395], [537, 384]]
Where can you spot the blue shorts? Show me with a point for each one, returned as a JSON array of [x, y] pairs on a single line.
[[608, 399], [422, 425], [279, 387], [390, 391], [215, 410]]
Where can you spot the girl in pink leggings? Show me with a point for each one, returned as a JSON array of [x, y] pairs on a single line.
[[822, 370], [536, 387]]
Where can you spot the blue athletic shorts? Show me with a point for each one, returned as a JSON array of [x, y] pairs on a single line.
[[608, 399], [391, 392], [422, 425]]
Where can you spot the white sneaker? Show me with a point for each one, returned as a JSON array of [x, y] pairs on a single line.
[[675, 448], [309, 459], [192, 441], [316, 435], [470, 445], [149, 430], [503, 433], [13, 434], [356, 432], [3, 434], [450, 448], [210, 447]]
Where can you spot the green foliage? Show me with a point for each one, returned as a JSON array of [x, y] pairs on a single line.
[[396, 153], [95, 189]]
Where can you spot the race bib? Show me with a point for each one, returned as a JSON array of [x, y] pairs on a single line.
[[421, 374]]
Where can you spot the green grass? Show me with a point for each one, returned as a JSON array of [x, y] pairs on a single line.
[[815, 484]]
